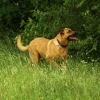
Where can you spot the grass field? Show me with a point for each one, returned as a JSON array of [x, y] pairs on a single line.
[[20, 80]]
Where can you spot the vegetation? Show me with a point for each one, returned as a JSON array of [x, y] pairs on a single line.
[[45, 18], [20, 80], [78, 79]]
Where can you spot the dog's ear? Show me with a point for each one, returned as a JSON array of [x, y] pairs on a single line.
[[61, 31]]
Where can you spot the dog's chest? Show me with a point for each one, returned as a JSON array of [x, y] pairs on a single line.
[[61, 52], [55, 51], [58, 52]]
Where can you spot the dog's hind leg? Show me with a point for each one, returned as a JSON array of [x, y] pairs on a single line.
[[34, 57]]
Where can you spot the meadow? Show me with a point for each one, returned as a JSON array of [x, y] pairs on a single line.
[[22, 80]]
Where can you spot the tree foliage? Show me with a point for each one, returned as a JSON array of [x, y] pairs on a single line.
[[43, 18]]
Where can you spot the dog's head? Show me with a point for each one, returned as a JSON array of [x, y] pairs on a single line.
[[69, 34]]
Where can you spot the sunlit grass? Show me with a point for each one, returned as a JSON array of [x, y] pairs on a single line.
[[21, 80]]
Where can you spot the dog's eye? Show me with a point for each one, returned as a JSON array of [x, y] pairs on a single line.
[[69, 31]]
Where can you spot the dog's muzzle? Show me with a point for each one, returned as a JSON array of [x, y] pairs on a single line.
[[73, 37]]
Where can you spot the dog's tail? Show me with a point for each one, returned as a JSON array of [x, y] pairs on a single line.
[[19, 44]]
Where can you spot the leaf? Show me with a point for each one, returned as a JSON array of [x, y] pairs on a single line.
[[80, 4], [22, 23]]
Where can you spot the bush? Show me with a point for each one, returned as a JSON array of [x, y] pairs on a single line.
[[45, 18]]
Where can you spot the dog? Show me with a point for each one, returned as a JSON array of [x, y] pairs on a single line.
[[51, 49]]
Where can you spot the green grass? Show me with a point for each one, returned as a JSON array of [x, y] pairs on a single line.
[[21, 80]]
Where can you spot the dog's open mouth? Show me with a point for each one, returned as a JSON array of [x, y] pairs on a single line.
[[73, 37]]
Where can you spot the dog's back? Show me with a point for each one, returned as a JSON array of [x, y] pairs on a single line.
[[39, 45]]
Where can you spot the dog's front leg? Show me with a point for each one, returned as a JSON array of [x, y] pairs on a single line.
[[53, 62]]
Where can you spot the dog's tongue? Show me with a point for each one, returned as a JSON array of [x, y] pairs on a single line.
[[74, 38]]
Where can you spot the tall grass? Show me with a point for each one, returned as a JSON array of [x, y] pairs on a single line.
[[21, 80]]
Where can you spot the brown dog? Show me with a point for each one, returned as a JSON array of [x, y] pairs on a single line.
[[49, 49]]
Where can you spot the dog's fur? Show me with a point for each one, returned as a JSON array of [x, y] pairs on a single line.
[[49, 49]]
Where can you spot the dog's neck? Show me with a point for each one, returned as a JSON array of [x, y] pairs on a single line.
[[62, 45], [59, 43]]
